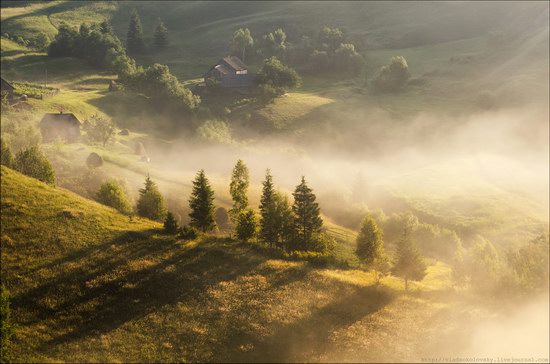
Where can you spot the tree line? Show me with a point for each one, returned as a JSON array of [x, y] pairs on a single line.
[[98, 44]]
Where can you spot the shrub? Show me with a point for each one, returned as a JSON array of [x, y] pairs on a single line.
[[246, 225], [112, 194], [189, 233], [393, 77], [276, 74], [6, 156], [33, 163], [216, 131]]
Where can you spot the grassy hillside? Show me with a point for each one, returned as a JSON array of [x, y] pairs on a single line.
[[88, 284]]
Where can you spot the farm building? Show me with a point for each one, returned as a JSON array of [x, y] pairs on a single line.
[[231, 72], [5, 86], [60, 125]]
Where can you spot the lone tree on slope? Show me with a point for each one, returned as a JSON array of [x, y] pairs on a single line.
[[409, 264]]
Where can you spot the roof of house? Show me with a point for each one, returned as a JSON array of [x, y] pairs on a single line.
[[67, 118], [234, 63], [5, 85]]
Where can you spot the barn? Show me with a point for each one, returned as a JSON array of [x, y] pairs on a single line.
[[60, 125], [231, 72]]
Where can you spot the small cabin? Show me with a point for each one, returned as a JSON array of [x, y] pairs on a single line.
[[60, 125], [231, 72]]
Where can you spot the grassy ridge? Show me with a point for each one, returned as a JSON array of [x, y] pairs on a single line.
[[87, 284]]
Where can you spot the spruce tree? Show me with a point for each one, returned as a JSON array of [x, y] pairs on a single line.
[[6, 156], [134, 39], [202, 204], [151, 203], [369, 241], [284, 222], [238, 189], [268, 216], [307, 220], [170, 224], [408, 264], [161, 35]]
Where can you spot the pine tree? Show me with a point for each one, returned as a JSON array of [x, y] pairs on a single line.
[[284, 222], [202, 204], [238, 189], [6, 326], [268, 216], [134, 39], [409, 264], [6, 156], [170, 224], [161, 35], [151, 203], [307, 221], [246, 225], [369, 241]]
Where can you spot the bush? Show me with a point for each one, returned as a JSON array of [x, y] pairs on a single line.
[[170, 223], [276, 74], [20, 135], [347, 59], [216, 131], [33, 163], [316, 258], [189, 233], [246, 225], [112, 194], [393, 77], [6, 156]]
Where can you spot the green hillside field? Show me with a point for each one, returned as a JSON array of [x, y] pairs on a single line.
[[89, 284]]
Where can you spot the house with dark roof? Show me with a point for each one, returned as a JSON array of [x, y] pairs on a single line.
[[60, 125], [5, 86], [230, 72]]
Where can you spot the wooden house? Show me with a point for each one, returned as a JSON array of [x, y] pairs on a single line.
[[231, 72], [60, 125]]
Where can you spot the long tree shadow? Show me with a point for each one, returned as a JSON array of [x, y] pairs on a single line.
[[116, 297], [309, 338]]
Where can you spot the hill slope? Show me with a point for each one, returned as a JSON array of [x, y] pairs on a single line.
[[89, 285]]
